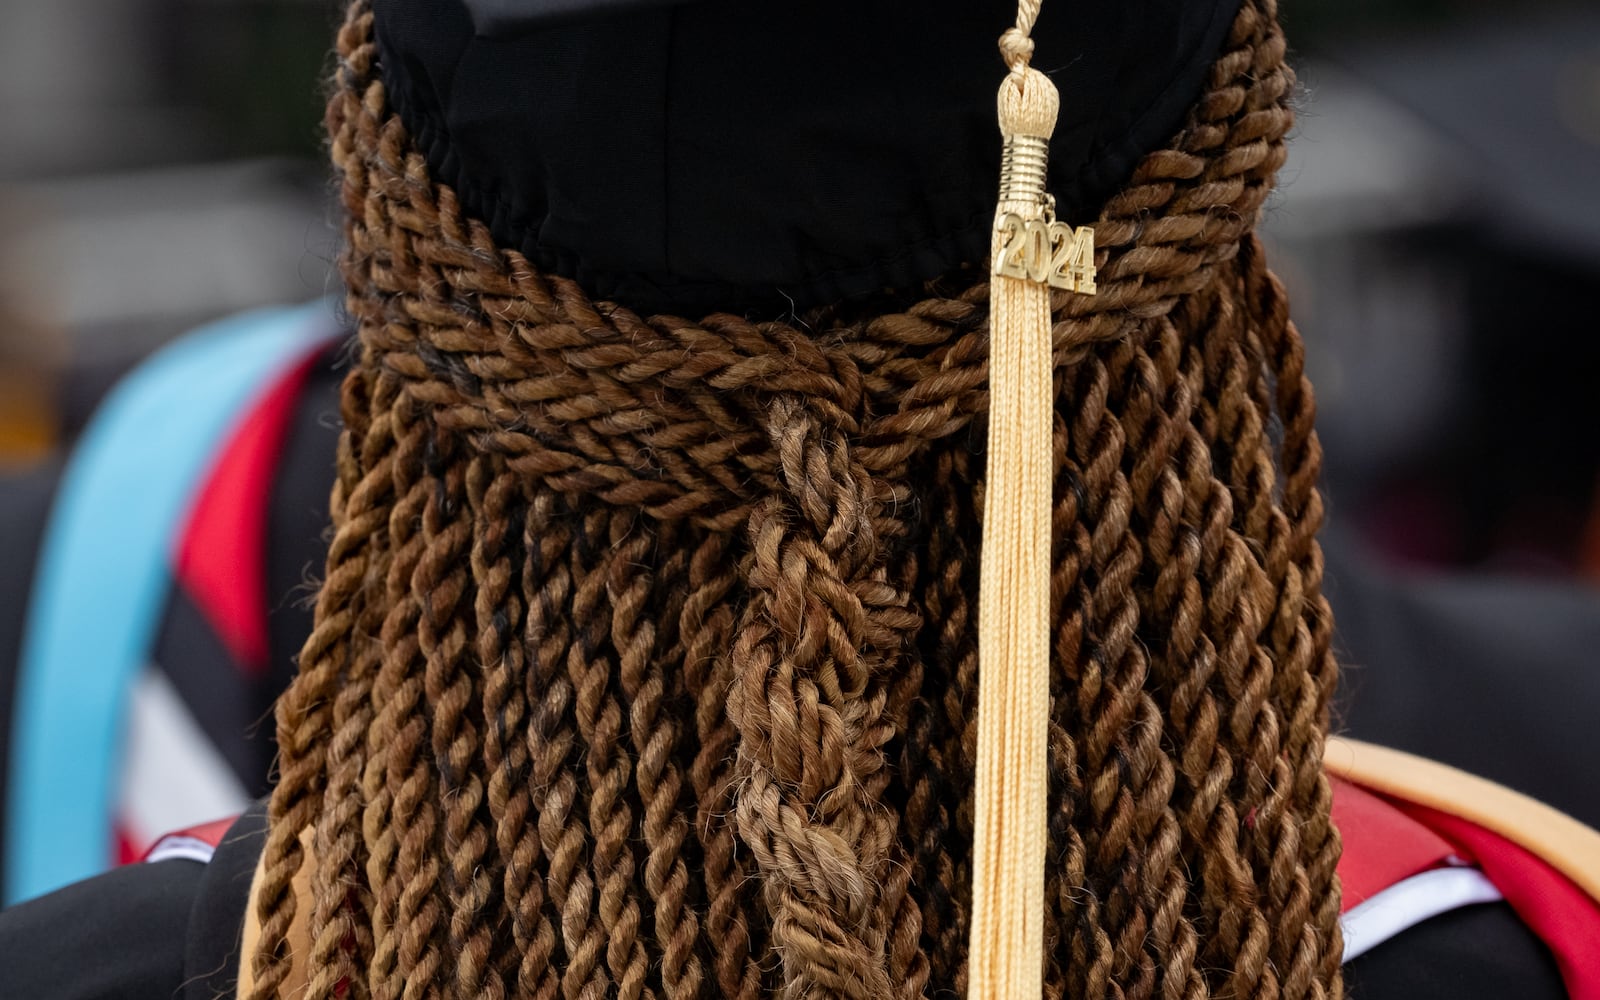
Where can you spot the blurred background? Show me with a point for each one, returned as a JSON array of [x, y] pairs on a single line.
[[1439, 226]]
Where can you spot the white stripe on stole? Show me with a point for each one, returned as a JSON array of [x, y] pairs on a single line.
[[1411, 901], [172, 775]]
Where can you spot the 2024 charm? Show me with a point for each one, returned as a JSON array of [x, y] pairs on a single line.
[[1047, 251]]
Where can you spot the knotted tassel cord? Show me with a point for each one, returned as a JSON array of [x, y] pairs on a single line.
[[1007, 945]]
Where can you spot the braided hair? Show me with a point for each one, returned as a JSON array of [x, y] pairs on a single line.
[[645, 662]]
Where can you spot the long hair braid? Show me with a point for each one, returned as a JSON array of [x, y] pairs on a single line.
[[820, 638], [732, 917], [646, 660]]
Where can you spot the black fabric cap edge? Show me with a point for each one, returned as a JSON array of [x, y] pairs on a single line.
[[1123, 136], [508, 18]]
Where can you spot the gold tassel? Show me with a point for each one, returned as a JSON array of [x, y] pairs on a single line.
[[1031, 252]]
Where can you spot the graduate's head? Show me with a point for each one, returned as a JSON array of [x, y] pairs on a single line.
[[647, 659]]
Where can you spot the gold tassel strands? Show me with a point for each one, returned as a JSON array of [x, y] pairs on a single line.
[[1031, 253]]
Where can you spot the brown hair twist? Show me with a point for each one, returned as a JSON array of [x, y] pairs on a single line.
[[645, 664]]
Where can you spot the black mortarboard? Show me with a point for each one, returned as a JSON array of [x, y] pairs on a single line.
[[684, 156], [504, 18]]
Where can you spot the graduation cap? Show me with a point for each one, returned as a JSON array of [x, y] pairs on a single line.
[[690, 155], [505, 18]]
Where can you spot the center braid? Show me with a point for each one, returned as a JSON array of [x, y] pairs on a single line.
[[820, 640]]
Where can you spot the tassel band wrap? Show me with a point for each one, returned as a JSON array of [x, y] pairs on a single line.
[[1024, 161]]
